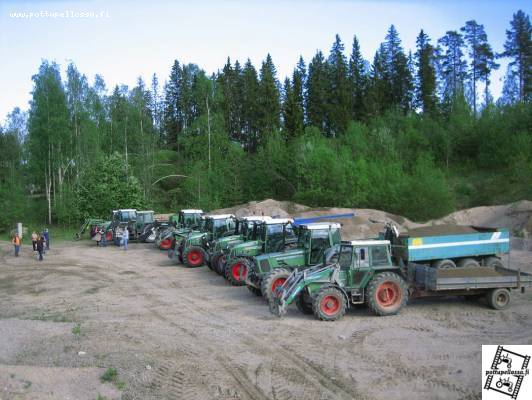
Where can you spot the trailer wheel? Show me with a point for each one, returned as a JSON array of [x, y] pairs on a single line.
[[272, 281], [304, 303], [234, 271], [444, 264], [493, 262], [194, 256], [498, 299], [254, 290], [467, 263], [387, 293], [329, 304]]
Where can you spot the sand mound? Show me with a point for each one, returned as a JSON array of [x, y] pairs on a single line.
[[368, 223]]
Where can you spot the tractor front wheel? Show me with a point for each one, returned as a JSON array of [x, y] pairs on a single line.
[[387, 293], [234, 270], [273, 281], [329, 304], [194, 256]]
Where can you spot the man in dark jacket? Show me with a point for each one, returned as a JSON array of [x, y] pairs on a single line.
[[40, 246]]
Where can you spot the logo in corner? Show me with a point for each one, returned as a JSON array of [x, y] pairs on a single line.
[[507, 377]]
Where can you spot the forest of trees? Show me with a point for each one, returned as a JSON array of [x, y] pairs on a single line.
[[414, 133]]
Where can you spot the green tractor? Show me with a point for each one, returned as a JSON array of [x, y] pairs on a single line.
[[271, 235], [191, 248], [363, 273], [137, 223], [315, 241], [245, 230], [179, 224]]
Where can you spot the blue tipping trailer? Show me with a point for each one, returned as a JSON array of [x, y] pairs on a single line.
[[453, 243]]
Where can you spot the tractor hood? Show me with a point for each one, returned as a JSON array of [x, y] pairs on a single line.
[[245, 249], [266, 262]]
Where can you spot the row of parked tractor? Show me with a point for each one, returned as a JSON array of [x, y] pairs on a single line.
[[306, 262]]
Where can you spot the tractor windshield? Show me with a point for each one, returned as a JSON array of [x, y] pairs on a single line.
[[126, 216], [275, 237], [345, 257]]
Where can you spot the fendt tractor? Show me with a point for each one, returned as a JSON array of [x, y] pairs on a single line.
[[245, 230], [271, 235], [191, 248], [316, 242], [178, 225], [136, 222], [384, 274]]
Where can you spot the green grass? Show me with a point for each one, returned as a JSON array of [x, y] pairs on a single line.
[[111, 375], [58, 234], [76, 330]]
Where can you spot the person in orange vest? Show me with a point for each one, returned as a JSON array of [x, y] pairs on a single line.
[[16, 242]]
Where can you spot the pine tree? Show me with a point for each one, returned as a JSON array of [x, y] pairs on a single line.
[[518, 47], [250, 106], [269, 98], [299, 78], [400, 76], [358, 81], [380, 91], [339, 104], [288, 109], [425, 97], [172, 121], [453, 65], [317, 87]]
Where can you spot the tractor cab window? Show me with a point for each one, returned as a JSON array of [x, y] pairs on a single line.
[[379, 256], [345, 257], [275, 234], [319, 241], [336, 236], [362, 257], [126, 216], [289, 232]]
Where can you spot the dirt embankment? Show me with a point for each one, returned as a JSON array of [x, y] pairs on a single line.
[[368, 222]]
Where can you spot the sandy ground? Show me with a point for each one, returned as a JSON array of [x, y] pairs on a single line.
[[178, 333]]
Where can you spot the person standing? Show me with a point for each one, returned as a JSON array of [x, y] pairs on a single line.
[[97, 236], [16, 242], [125, 238], [40, 246], [104, 239], [34, 240], [47, 238]]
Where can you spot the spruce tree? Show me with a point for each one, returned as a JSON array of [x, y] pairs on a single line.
[[269, 98], [339, 103], [317, 92], [425, 93], [299, 77], [250, 106], [172, 121], [358, 81]]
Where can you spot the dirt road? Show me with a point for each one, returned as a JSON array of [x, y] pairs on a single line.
[[177, 333]]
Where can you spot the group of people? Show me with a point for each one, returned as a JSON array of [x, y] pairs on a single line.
[[40, 242]]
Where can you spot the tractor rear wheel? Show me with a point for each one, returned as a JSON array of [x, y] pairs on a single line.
[[272, 281], [329, 304], [387, 293], [498, 299], [214, 262], [194, 256], [304, 303], [234, 270]]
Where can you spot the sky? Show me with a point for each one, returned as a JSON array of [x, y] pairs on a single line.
[[122, 40]]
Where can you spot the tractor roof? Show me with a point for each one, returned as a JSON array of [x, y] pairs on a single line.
[[192, 211], [368, 242], [127, 209], [220, 216], [145, 212], [273, 221], [322, 225], [257, 218]]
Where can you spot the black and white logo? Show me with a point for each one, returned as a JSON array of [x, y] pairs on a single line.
[[505, 372]]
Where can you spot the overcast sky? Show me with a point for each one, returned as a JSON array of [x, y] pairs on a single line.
[[125, 39]]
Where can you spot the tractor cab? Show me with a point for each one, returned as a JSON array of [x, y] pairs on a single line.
[[189, 218], [360, 255], [316, 238], [217, 226], [276, 233], [126, 215], [145, 218]]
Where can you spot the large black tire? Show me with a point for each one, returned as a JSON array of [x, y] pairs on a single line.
[[444, 264], [233, 271], [387, 293], [304, 303], [145, 233], [329, 304], [214, 262], [498, 299], [272, 281], [194, 256], [467, 263], [254, 290], [493, 262]]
